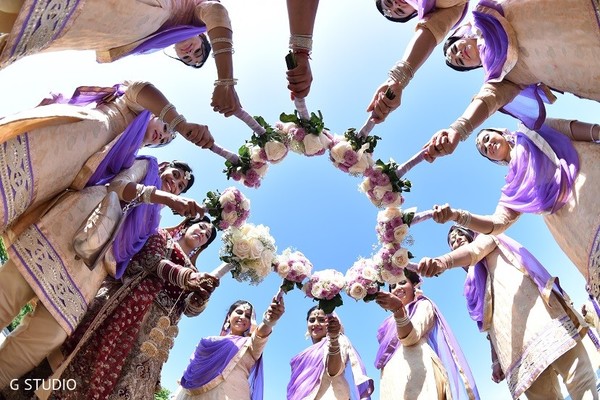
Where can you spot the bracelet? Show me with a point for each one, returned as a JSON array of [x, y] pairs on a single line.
[[175, 121], [147, 193], [464, 128], [226, 82], [333, 337], [267, 321], [221, 51], [401, 73], [494, 363], [592, 132], [222, 40], [464, 218], [448, 261], [334, 352], [165, 110], [301, 42], [402, 321], [263, 337]]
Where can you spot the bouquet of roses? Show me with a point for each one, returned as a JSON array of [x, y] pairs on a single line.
[[231, 208], [249, 169], [325, 287], [392, 224], [390, 261], [293, 267], [362, 280], [273, 143], [250, 251], [306, 136], [383, 186], [353, 153]]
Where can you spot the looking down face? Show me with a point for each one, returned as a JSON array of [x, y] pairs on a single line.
[[464, 53]]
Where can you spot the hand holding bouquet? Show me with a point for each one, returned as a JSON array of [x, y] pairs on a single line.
[[306, 136], [325, 287], [362, 280], [383, 186], [250, 168]]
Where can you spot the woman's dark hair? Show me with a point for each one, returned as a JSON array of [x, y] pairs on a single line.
[[213, 231], [236, 305], [393, 19], [206, 52], [449, 42], [310, 310], [185, 167], [465, 231], [412, 276]]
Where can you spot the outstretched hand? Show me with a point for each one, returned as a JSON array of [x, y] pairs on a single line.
[[186, 207], [333, 325], [275, 310], [198, 134], [300, 78], [442, 143], [225, 100], [386, 99], [443, 213], [429, 267]]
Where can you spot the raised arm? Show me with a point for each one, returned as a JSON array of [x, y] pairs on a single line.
[[494, 224], [335, 359], [301, 14], [490, 99]]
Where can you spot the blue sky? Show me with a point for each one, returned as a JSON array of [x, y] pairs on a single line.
[[308, 203]]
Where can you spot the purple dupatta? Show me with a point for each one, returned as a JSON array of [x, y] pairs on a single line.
[[86, 95], [424, 7], [212, 355], [166, 37], [308, 367], [528, 105], [441, 339], [534, 182], [475, 283]]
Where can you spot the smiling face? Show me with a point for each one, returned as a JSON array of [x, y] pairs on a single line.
[[404, 290], [464, 53], [173, 180], [493, 145], [191, 51], [317, 325], [157, 133], [396, 8], [198, 234], [240, 319]]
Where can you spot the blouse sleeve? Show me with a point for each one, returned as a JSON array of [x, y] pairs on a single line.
[[135, 174], [441, 21], [422, 322], [257, 345], [213, 14], [124, 109], [561, 125], [503, 218], [495, 95]]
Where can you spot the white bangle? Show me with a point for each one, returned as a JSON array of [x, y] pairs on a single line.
[[301, 42], [226, 82], [165, 110], [221, 51], [176, 121]]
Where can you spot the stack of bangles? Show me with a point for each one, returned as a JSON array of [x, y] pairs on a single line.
[[464, 127], [402, 321], [175, 121], [464, 218], [301, 43], [401, 73], [225, 49], [334, 346]]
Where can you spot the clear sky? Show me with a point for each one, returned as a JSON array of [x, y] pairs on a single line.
[[308, 203]]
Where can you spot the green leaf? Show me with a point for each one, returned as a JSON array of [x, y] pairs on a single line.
[[328, 306], [408, 217], [287, 285], [410, 255]]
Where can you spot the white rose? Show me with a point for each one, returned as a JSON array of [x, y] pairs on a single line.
[[275, 151], [245, 229], [361, 166], [338, 151], [256, 248], [380, 191], [267, 257], [283, 269], [229, 217], [317, 290], [312, 144], [400, 258], [400, 232], [262, 170], [241, 248], [388, 214], [227, 197], [365, 186], [390, 278], [357, 291], [285, 128], [325, 141], [369, 273], [255, 154], [245, 205]]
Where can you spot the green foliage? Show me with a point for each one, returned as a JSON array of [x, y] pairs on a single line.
[[24, 311], [244, 164], [328, 306], [314, 125], [357, 141], [271, 134], [162, 394], [399, 185], [3, 252]]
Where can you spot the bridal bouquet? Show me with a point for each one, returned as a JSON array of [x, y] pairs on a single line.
[[250, 169], [230, 208], [353, 153], [325, 287], [390, 261], [250, 250], [273, 143], [293, 267], [306, 136], [362, 280], [383, 186], [392, 224]]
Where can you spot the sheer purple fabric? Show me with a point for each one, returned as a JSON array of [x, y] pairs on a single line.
[[494, 49], [86, 95], [475, 283], [308, 368], [165, 38], [210, 358], [423, 7], [529, 106], [534, 184], [444, 344], [141, 222], [122, 154]]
